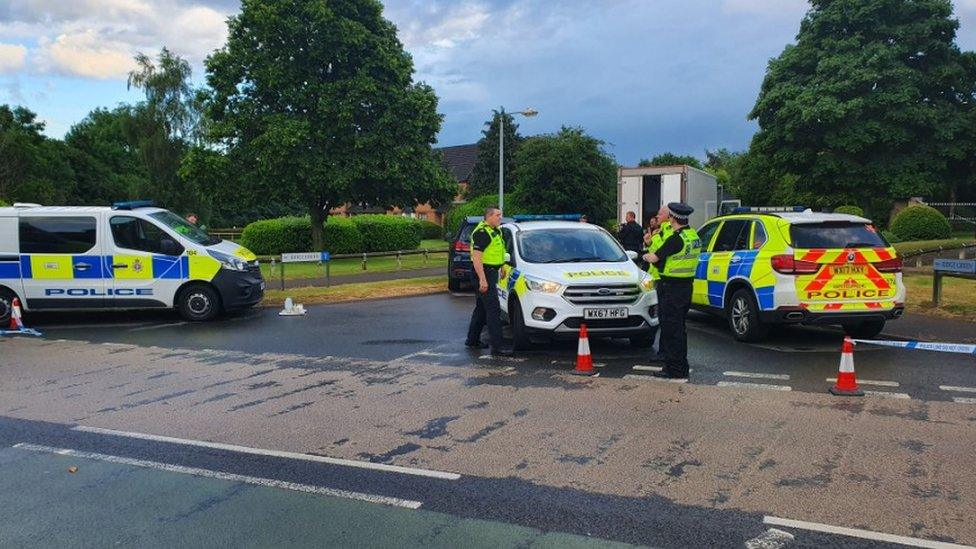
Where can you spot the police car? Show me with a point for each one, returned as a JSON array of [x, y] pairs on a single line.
[[766, 266], [561, 274], [130, 256]]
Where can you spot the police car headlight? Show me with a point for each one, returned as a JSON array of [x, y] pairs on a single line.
[[646, 282], [544, 286], [227, 261]]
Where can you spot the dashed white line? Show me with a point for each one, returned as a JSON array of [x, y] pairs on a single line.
[[964, 400], [874, 382], [441, 355], [258, 481], [957, 389], [754, 385], [651, 378], [858, 533], [503, 358], [272, 453], [887, 394], [757, 375], [642, 368]]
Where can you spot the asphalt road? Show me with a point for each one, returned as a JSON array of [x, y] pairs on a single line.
[[369, 424]]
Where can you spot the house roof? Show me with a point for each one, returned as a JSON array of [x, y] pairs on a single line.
[[460, 160]]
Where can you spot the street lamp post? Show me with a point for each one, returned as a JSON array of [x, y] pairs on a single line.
[[528, 113]]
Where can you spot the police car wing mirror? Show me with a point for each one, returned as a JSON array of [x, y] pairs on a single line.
[[508, 257], [631, 254]]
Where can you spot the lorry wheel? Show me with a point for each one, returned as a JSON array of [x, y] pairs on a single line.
[[520, 335], [743, 316], [198, 303], [453, 284], [6, 306], [864, 330]]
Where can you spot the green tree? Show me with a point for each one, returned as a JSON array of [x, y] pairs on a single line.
[[671, 159], [868, 105], [484, 180], [566, 172], [162, 128], [33, 168], [107, 165], [316, 100]]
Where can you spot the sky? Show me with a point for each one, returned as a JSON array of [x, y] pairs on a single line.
[[644, 76]]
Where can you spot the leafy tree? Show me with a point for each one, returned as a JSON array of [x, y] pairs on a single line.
[[484, 180], [107, 165], [33, 168], [868, 105], [566, 172], [316, 100], [726, 166], [671, 159]]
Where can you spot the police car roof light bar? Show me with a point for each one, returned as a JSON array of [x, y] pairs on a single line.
[[769, 209], [133, 204], [546, 217]]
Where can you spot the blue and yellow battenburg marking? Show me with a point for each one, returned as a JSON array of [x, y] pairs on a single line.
[[127, 267], [714, 273]]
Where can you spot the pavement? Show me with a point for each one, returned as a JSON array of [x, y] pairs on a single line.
[[350, 426]]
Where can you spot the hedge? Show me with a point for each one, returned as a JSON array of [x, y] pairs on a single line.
[[850, 210], [920, 222], [476, 207], [342, 236], [431, 230], [387, 233], [294, 234]]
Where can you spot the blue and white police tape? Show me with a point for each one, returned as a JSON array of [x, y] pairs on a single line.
[[924, 346], [22, 331]]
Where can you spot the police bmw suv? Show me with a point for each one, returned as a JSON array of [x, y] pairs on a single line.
[[561, 274]]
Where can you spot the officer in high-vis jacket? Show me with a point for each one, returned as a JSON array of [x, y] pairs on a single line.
[[487, 256], [676, 260]]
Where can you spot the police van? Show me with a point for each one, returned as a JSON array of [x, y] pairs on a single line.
[[765, 266], [560, 274], [130, 256]]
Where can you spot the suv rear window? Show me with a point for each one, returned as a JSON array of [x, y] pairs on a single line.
[[465, 235], [836, 235]]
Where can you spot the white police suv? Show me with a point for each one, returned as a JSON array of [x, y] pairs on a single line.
[[561, 274]]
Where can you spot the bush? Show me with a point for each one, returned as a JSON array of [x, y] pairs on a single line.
[[294, 234], [341, 236], [891, 237], [3, 203], [476, 207], [387, 233], [850, 210], [431, 230], [919, 222]]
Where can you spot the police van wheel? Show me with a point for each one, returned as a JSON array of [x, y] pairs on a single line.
[[743, 316], [520, 335], [864, 330], [198, 303], [6, 305]]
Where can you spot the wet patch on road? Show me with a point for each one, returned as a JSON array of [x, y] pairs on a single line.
[[400, 450], [324, 383], [434, 428]]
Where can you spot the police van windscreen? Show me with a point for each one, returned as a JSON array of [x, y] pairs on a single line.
[[569, 246], [836, 235], [185, 228]]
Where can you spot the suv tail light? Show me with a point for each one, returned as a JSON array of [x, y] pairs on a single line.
[[786, 264], [461, 246], [892, 265]]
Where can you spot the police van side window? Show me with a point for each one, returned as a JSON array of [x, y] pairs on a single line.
[[133, 233], [728, 237], [57, 235], [705, 234]]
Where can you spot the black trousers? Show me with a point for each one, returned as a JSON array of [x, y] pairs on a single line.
[[486, 310], [673, 307], [660, 315]]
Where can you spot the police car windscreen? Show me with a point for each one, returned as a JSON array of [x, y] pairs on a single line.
[[569, 246], [836, 235], [185, 228]]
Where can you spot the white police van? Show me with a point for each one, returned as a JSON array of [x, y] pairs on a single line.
[[130, 256], [560, 274]]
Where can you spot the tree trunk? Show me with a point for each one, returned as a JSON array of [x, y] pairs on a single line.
[[318, 214]]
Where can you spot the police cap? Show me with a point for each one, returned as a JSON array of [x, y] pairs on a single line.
[[680, 210]]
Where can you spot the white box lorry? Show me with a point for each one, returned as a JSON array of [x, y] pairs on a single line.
[[643, 190]]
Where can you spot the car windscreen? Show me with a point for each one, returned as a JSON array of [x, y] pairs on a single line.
[[836, 235], [569, 246], [185, 228]]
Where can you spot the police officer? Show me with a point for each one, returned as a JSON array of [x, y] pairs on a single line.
[[487, 255], [660, 231], [677, 261]]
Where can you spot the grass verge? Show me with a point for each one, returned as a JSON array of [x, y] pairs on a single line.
[[342, 267], [958, 297], [356, 292], [915, 245]]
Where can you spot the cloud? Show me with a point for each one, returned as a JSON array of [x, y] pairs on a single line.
[[12, 57], [88, 55], [770, 8]]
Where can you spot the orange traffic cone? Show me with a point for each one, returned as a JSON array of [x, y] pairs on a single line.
[[846, 380], [15, 322], [584, 362]]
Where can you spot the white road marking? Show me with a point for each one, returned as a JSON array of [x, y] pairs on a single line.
[[652, 378], [121, 345], [770, 539], [157, 326], [642, 368], [442, 355], [506, 358], [757, 375], [957, 389], [887, 394], [754, 385], [258, 481], [273, 453], [858, 533], [964, 400], [869, 382]]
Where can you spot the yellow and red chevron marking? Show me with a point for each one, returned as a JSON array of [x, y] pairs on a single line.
[[836, 257], [848, 306]]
